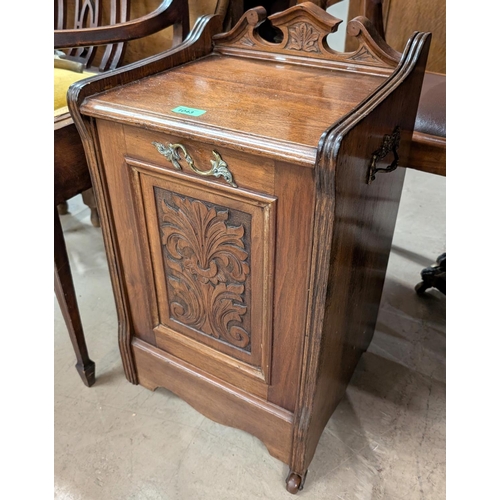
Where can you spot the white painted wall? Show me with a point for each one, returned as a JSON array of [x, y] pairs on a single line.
[[337, 40]]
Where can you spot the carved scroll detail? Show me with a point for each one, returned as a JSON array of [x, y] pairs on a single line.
[[304, 29], [207, 269]]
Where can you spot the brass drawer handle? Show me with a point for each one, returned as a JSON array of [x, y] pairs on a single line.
[[389, 143], [219, 166]]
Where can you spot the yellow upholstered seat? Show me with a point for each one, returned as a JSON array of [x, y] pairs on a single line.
[[63, 78]]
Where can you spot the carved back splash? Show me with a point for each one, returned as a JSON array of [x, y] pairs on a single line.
[[304, 30]]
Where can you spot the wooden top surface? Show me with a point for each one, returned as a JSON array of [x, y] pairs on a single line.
[[259, 101]]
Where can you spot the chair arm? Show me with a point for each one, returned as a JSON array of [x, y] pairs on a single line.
[[169, 12]]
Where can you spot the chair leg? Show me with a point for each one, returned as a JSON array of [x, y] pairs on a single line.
[[65, 293], [62, 208], [89, 200]]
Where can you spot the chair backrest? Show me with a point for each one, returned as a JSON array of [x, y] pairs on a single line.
[[78, 14], [101, 29], [158, 42]]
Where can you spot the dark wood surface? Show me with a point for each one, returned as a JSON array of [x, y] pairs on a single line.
[[358, 218], [428, 153], [295, 244], [66, 297], [71, 174], [71, 177]]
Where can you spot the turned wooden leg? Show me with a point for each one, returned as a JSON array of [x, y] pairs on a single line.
[[295, 482], [62, 208], [89, 200], [65, 293]]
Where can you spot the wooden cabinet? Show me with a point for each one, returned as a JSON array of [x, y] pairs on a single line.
[[247, 237]]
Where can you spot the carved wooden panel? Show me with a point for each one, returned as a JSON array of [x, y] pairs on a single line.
[[212, 253], [207, 266]]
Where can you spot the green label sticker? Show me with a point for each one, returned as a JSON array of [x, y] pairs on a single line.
[[183, 110]]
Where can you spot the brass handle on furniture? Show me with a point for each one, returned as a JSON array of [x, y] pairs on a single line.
[[390, 142], [219, 166]]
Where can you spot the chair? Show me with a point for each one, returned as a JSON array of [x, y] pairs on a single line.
[[95, 43], [153, 44]]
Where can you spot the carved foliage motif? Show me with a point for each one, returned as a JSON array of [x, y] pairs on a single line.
[[302, 36], [208, 268], [363, 55]]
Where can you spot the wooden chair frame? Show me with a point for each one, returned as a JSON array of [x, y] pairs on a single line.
[[71, 174]]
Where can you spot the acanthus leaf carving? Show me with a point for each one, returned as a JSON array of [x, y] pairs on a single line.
[[207, 269], [302, 36]]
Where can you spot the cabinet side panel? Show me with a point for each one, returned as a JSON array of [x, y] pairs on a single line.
[[364, 217]]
